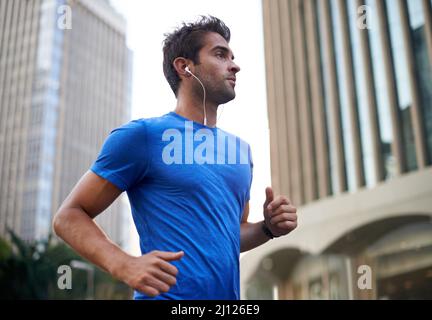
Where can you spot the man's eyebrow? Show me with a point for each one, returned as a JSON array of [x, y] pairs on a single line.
[[224, 49]]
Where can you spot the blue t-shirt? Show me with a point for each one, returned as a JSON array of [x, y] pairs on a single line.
[[187, 185]]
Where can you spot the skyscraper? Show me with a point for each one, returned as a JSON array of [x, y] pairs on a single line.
[[349, 87], [65, 82]]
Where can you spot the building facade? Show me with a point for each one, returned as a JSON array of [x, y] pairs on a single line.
[[65, 82], [349, 90]]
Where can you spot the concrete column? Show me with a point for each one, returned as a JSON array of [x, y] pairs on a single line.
[[416, 109], [372, 103], [397, 146], [317, 101], [274, 157], [333, 93], [291, 92], [306, 129], [351, 94], [428, 25], [280, 104]]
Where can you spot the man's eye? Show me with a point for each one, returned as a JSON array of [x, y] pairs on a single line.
[[220, 55]]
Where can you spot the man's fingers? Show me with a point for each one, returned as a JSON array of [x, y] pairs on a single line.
[[169, 256], [287, 225], [282, 209], [165, 277], [284, 217], [150, 291], [277, 202], [157, 284], [269, 196], [168, 268]]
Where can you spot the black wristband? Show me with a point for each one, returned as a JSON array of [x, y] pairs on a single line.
[[267, 231]]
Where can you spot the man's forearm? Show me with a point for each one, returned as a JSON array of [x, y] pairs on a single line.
[[82, 233], [251, 236]]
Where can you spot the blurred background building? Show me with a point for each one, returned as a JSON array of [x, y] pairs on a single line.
[[65, 83], [349, 89]]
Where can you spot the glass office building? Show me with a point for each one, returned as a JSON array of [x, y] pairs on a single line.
[[64, 85]]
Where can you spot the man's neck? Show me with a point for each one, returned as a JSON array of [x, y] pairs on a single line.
[[193, 110]]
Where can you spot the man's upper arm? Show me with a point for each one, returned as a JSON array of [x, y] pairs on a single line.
[[92, 194], [245, 213]]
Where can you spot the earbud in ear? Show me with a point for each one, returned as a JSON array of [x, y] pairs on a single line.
[[204, 91]]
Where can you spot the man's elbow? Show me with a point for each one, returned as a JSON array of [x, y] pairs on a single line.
[[58, 222]]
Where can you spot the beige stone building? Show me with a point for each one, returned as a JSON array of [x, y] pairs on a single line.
[[349, 89], [65, 79]]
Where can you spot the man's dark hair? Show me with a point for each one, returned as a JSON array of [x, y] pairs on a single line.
[[186, 41]]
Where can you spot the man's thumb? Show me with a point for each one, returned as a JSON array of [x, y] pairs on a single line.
[[269, 196], [171, 256]]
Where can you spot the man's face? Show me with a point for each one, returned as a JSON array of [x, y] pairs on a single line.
[[217, 69]]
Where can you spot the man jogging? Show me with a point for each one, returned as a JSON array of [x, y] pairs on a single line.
[[188, 183]]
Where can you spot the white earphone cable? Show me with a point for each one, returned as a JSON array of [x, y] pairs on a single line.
[[204, 97]]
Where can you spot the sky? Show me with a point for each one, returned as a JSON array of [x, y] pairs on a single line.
[[246, 115]]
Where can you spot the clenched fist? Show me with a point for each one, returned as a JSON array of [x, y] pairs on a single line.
[[151, 273], [279, 214]]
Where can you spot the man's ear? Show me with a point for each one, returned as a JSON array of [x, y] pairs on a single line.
[[179, 65]]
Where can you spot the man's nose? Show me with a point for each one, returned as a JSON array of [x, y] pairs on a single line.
[[234, 68]]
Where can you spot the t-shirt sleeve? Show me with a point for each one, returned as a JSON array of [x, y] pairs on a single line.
[[123, 159]]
